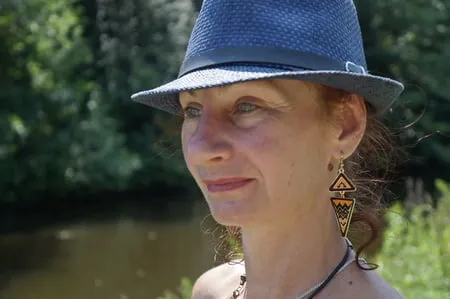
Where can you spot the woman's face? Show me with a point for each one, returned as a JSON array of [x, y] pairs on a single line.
[[259, 149]]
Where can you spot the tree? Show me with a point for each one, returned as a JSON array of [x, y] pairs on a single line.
[[410, 41], [57, 136], [139, 45]]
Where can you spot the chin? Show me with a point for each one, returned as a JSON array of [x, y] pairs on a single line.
[[230, 213]]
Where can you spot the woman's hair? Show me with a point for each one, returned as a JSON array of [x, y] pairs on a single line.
[[369, 167]]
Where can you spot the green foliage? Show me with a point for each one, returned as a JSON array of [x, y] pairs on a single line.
[[415, 256], [184, 291], [57, 134], [410, 41], [67, 124], [139, 45]]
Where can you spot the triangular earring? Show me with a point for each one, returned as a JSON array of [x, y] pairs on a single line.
[[343, 207], [342, 183]]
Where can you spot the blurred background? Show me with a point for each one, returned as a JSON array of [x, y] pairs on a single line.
[[95, 200]]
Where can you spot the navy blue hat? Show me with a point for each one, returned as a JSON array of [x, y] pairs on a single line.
[[241, 40]]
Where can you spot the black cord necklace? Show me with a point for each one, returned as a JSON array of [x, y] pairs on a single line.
[[333, 273], [315, 290]]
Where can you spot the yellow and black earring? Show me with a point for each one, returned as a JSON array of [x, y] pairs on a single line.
[[343, 207]]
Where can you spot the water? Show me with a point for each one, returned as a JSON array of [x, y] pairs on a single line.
[[122, 255]]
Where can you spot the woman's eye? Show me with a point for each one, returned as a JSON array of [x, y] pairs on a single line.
[[246, 107], [192, 112]]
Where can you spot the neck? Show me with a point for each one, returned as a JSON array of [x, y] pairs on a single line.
[[287, 260]]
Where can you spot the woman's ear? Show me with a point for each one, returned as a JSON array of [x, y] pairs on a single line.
[[350, 118]]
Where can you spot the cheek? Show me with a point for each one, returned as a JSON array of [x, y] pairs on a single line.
[[186, 134], [290, 162], [269, 150], [184, 139], [277, 157]]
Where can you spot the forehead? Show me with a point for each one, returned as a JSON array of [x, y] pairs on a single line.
[[231, 87], [285, 87], [219, 90]]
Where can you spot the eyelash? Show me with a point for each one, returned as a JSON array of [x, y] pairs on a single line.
[[246, 103], [189, 109]]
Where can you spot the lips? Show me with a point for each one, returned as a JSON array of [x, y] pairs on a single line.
[[226, 184]]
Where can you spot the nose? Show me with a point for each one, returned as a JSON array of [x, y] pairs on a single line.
[[210, 142]]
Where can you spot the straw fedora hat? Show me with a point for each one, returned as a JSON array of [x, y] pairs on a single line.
[[241, 40]]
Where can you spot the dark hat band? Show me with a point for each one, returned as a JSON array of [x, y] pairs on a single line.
[[265, 55]]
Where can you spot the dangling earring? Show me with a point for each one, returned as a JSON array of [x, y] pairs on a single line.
[[343, 207]]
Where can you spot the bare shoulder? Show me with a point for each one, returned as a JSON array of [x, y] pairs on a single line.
[[382, 289], [218, 282], [369, 285]]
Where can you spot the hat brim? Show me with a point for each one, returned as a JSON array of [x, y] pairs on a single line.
[[380, 92]]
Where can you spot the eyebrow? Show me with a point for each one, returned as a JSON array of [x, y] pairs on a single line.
[[193, 93]]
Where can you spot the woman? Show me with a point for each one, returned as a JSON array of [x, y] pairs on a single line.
[[279, 117]]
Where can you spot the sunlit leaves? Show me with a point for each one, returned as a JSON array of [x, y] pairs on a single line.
[[57, 138], [415, 255]]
